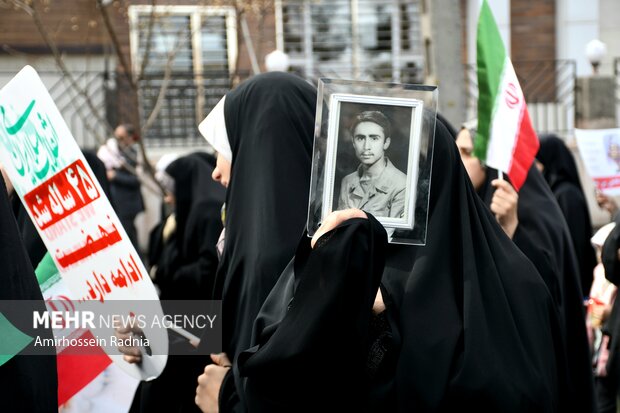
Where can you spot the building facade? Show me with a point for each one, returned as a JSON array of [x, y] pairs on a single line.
[[165, 66]]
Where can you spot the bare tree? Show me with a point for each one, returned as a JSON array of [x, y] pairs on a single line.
[[243, 9]]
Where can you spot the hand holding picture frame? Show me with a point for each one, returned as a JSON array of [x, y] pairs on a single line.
[[372, 151]]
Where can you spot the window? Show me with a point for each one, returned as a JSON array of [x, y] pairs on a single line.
[[357, 39], [198, 46]]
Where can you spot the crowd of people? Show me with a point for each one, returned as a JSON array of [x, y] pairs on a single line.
[[509, 305]]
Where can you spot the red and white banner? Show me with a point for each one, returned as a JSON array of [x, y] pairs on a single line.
[[93, 254]]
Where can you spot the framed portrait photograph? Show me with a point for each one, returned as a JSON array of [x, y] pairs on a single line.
[[373, 151], [371, 147]]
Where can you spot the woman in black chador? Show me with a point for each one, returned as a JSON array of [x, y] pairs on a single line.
[[188, 261], [27, 383], [185, 270], [560, 172], [462, 322], [542, 234], [474, 324], [267, 124]]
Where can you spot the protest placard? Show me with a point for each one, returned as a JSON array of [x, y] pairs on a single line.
[[80, 229], [600, 151]]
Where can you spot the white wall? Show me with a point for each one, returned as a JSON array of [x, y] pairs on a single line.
[[501, 12], [86, 70], [46, 63], [609, 30], [577, 22], [65, 99]]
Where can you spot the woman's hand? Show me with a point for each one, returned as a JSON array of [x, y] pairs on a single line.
[[606, 202], [334, 219], [210, 382], [126, 333], [504, 206]]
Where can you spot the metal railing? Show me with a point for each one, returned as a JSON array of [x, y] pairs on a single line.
[[104, 99], [188, 99], [77, 105], [549, 88]]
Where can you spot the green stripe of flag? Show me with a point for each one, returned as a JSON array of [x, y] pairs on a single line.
[[490, 58], [13, 340], [46, 269]]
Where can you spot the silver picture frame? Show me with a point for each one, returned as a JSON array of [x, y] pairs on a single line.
[[405, 117]]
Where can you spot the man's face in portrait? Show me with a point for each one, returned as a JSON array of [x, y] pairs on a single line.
[[369, 142]]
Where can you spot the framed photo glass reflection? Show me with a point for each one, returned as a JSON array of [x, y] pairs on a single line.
[[370, 164]]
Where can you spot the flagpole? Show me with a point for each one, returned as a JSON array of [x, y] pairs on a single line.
[[500, 175]]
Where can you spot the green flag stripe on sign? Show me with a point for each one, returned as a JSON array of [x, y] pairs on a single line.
[[491, 59], [13, 340], [46, 269]]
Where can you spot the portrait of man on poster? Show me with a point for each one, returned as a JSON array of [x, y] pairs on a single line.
[[376, 185]]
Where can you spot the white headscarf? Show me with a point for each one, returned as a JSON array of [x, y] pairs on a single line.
[[213, 129], [160, 171], [110, 154], [598, 239]]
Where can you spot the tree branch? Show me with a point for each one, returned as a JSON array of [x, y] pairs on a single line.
[[149, 38], [117, 46], [31, 10]]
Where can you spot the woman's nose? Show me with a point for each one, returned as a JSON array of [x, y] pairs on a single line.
[[216, 175]]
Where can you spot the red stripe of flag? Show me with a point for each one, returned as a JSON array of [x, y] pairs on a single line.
[[524, 150], [78, 366]]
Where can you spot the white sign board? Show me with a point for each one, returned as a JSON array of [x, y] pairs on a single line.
[[600, 151], [95, 258]]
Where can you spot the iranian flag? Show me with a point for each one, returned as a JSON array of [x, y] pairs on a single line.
[[76, 366], [505, 138]]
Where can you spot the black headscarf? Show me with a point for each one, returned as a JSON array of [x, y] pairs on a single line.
[[543, 236], [319, 309], [27, 383], [562, 176], [558, 161], [186, 268], [609, 257], [99, 170], [441, 118], [30, 236], [475, 324], [211, 160], [270, 126]]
